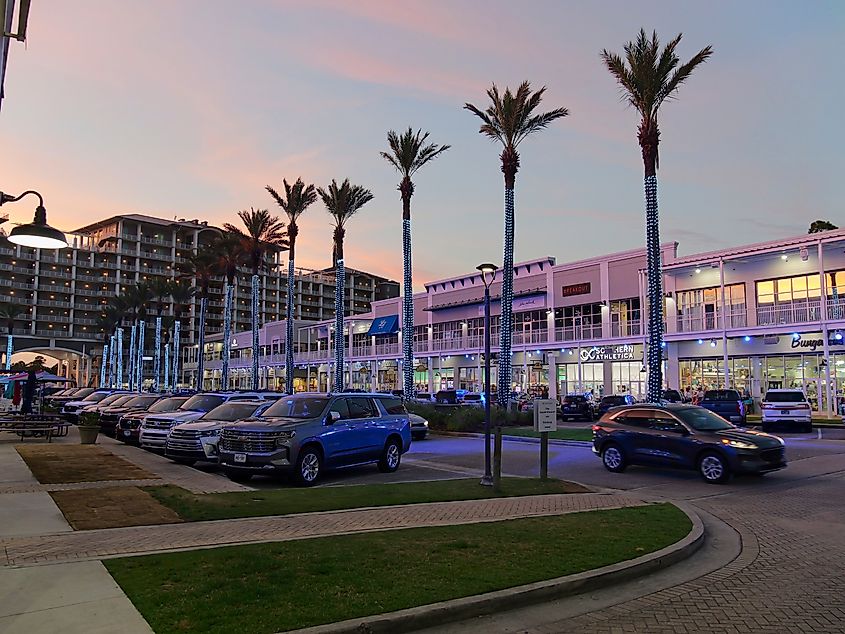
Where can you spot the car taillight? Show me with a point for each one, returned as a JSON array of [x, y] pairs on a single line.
[[803, 406], [596, 428]]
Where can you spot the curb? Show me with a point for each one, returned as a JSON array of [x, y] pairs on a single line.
[[435, 614], [529, 439]]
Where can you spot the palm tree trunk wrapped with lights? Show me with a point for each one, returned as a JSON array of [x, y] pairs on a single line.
[[298, 197], [110, 378], [227, 335], [120, 358], [256, 285], [131, 369], [647, 77], [139, 377], [409, 151], [339, 339], [167, 366], [9, 346], [509, 119], [177, 326], [157, 357], [341, 203], [103, 364], [289, 326], [201, 344]]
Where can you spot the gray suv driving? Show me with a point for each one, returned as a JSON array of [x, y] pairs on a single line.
[[307, 433]]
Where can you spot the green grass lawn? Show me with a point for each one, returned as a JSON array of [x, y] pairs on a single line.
[[560, 434], [283, 586], [215, 506]]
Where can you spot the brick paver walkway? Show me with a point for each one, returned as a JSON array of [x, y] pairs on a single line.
[[788, 578], [105, 543]]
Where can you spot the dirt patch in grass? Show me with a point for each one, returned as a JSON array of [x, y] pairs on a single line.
[[112, 507], [64, 464]]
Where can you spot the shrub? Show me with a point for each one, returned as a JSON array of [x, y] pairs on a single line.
[[467, 419]]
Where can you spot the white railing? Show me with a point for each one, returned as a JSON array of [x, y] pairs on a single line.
[[387, 349], [791, 313], [421, 346], [836, 309], [531, 336], [578, 333], [362, 351], [630, 328]]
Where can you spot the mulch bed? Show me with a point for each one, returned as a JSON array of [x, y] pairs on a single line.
[[112, 507], [65, 464]]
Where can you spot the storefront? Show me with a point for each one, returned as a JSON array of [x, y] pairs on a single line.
[[603, 370], [757, 364]]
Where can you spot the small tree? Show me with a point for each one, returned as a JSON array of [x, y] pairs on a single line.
[[817, 226]]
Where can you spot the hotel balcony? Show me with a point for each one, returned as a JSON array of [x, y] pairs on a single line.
[[792, 313]]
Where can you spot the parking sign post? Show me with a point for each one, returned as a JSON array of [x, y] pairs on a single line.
[[545, 420]]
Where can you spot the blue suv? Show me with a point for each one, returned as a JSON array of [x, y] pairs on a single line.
[[306, 433]]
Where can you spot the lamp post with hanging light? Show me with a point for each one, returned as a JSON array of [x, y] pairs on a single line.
[[488, 274], [37, 234]]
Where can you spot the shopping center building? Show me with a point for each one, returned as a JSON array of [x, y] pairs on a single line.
[[755, 317]]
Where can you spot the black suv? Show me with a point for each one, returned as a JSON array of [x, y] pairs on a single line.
[[683, 436], [576, 406]]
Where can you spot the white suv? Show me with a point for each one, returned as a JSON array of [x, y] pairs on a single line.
[[786, 408]]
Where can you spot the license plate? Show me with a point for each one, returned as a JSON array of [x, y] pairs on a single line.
[[784, 411], [126, 432], [240, 457]]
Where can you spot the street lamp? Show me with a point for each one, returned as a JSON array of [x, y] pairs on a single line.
[[488, 274], [38, 233]]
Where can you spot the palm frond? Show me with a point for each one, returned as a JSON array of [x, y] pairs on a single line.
[[345, 201], [409, 151]]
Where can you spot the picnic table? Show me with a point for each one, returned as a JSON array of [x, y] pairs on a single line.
[[35, 427]]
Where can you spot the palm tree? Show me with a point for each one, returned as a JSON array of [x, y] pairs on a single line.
[[138, 297], [408, 153], [298, 197], [201, 267], [181, 292], [264, 233], [509, 119], [9, 312], [649, 76], [229, 256], [341, 203], [120, 304], [107, 322], [161, 289]]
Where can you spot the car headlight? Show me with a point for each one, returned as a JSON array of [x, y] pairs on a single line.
[[285, 435], [209, 432], [738, 444]]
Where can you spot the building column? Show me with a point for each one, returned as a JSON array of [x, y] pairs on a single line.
[[552, 376], [673, 367], [373, 376], [430, 363], [830, 407]]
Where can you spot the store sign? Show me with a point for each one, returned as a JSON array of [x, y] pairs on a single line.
[[813, 342], [527, 303], [575, 289], [623, 352]]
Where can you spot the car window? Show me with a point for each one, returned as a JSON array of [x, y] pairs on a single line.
[[573, 400], [339, 405], [298, 407], [142, 401], [661, 421], [202, 403], [634, 417], [721, 395], [168, 404], [393, 405], [360, 407], [702, 419], [785, 397], [613, 400], [231, 411]]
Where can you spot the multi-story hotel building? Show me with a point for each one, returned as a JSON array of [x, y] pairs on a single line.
[[63, 291], [754, 317]]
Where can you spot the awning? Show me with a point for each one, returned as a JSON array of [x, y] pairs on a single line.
[[384, 325]]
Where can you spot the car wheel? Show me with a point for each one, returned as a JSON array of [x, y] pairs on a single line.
[[309, 466], [390, 457], [713, 468], [613, 458], [808, 428], [237, 476]]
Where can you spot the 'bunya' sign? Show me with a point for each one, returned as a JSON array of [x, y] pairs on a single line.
[[624, 352]]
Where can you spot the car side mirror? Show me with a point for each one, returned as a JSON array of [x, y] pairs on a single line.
[[332, 417]]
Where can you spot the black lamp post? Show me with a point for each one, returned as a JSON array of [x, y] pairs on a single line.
[[38, 233], [488, 274]]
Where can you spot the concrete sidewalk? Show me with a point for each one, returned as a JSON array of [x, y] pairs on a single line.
[[74, 598]]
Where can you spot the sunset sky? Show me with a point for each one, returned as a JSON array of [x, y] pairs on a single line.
[[189, 108]]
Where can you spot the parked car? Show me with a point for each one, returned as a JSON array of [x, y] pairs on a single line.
[[129, 427], [72, 394], [576, 406], [446, 397], [423, 397], [70, 409], [419, 426], [686, 437], [614, 401], [473, 400], [306, 433], [786, 409], [672, 396], [156, 427], [198, 440], [111, 414], [728, 404]]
